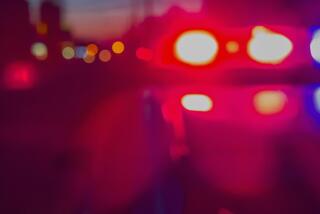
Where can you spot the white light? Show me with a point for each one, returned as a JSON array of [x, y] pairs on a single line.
[[39, 50], [315, 46], [196, 47], [197, 102], [269, 47]]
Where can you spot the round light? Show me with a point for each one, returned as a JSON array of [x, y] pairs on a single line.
[[92, 49], [105, 55], [19, 76], [39, 50], [269, 47], [232, 47], [68, 53], [197, 102], [196, 47], [81, 52], [118, 47], [89, 59], [269, 102], [315, 46]]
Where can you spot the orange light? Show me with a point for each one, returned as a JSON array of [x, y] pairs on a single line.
[[92, 49], [232, 47], [196, 47], [268, 47], [89, 59], [197, 102], [118, 47], [269, 102], [42, 28], [105, 55]]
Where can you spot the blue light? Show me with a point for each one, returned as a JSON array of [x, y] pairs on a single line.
[[315, 45], [81, 52], [316, 99], [312, 102]]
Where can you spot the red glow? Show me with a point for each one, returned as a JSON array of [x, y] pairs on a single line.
[[197, 102], [144, 54], [19, 76]]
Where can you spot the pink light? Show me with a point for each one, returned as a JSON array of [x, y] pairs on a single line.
[[19, 76], [197, 102]]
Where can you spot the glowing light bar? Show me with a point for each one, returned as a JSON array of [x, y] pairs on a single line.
[[196, 47], [268, 47], [197, 102], [270, 102], [315, 46]]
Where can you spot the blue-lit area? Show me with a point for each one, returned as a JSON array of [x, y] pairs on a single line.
[[316, 99], [315, 46]]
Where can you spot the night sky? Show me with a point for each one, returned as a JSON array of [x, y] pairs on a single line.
[[95, 19]]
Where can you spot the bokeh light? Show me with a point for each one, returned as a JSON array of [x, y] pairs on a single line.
[[105, 55], [39, 50], [68, 53], [42, 28], [197, 102], [270, 102], [144, 54], [196, 47], [315, 46], [232, 47], [118, 47], [268, 47], [89, 59], [19, 76], [81, 52], [92, 50]]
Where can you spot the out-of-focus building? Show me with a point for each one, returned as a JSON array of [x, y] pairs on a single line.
[[16, 30], [239, 12], [50, 28]]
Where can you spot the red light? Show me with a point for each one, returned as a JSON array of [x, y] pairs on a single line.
[[197, 102], [270, 102], [196, 47], [144, 54], [19, 76]]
